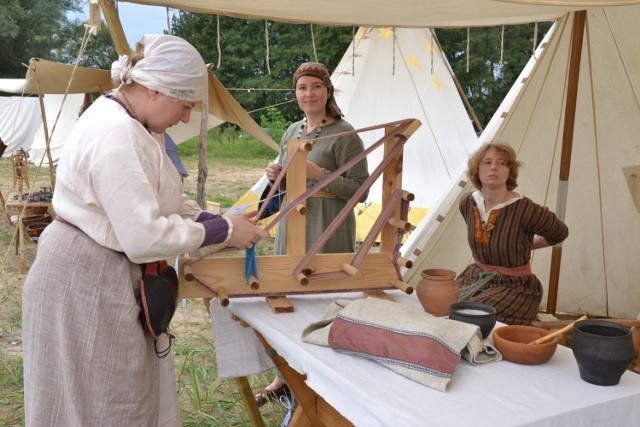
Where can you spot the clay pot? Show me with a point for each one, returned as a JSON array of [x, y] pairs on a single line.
[[437, 291], [475, 313], [603, 351]]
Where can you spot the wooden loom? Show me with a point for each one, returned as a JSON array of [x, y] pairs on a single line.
[[301, 273]]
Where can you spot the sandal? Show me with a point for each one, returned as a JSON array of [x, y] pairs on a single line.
[[264, 395]]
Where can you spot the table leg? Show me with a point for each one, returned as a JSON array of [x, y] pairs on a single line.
[[313, 410], [249, 402]]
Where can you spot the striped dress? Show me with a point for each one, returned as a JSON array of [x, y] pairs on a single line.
[[505, 240]]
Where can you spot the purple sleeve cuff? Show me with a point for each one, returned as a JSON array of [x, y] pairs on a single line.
[[217, 230], [206, 215]]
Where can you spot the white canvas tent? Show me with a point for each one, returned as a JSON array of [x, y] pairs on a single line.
[[391, 74], [19, 118], [598, 266]]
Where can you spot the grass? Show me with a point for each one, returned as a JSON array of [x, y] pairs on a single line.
[[234, 162]]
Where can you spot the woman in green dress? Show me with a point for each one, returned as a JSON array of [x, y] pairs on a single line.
[[322, 118]]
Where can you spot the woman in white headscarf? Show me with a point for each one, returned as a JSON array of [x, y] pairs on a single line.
[[87, 359]]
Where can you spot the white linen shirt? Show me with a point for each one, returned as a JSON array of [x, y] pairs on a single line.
[[116, 183]]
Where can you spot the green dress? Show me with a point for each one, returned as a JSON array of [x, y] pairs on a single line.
[[329, 154]]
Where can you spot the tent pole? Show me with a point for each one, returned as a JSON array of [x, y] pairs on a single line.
[[45, 128], [115, 27], [577, 36]]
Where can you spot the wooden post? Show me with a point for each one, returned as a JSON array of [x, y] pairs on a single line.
[[567, 146], [115, 27], [391, 180]]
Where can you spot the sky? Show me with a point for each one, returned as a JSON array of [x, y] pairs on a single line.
[[138, 20]]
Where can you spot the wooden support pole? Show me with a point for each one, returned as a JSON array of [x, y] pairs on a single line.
[[577, 35], [115, 27]]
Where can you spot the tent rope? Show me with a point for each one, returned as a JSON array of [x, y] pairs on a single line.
[[313, 43], [468, 46], [535, 39], [266, 37], [393, 61], [502, 49], [353, 55], [218, 40]]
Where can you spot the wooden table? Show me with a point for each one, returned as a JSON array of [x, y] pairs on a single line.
[[337, 389], [14, 206]]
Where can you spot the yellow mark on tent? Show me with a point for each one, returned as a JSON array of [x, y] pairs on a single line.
[[413, 62], [430, 47], [385, 33], [438, 82]]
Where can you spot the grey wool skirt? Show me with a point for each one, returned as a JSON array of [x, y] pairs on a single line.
[[87, 359]]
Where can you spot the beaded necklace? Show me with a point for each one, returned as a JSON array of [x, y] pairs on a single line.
[[303, 126]]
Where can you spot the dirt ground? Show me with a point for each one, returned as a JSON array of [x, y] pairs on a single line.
[[228, 180]]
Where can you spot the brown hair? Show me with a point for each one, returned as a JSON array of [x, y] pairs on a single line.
[[473, 164]]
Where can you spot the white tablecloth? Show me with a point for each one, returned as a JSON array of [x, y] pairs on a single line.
[[495, 394]]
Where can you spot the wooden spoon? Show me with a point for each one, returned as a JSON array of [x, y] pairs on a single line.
[[558, 332]]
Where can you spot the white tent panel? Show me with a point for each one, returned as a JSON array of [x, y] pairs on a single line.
[[62, 115], [385, 77], [19, 121]]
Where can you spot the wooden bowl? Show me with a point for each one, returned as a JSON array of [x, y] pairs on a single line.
[[512, 342]]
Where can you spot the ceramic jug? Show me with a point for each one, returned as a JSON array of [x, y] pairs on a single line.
[[437, 291]]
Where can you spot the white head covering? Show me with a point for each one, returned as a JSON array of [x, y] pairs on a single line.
[[170, 65]]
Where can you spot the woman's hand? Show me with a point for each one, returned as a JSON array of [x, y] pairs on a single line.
[[273, 170], [314, 172], [245, 232]]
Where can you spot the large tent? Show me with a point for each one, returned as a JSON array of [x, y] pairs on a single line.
[[598, 267]]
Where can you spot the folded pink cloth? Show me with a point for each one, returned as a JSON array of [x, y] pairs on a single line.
[[401, 337]]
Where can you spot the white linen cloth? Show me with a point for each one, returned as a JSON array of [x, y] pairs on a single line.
[[440, 341], [238, 351], [493, 394]]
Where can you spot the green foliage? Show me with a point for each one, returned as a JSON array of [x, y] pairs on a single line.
[[99, 52], [245, 62], [487, 81], [229, 143], [32, 29], [274, 123]]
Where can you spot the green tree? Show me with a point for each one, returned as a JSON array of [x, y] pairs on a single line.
[[31, 28], [244, 63], [99, 52], [487, 80]]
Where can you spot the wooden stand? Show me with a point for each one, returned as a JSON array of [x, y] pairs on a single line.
[[223, 277], [16, 207]]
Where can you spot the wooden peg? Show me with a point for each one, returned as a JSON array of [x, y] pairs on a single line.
[[223, 296], [351, 270], [407, 196], [188, 273], [406, 263], [253, 282], [301, 209], [402, 286], [398, 223], [302, 279]]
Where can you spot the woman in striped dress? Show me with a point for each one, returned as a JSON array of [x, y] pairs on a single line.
[[503, 228]]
